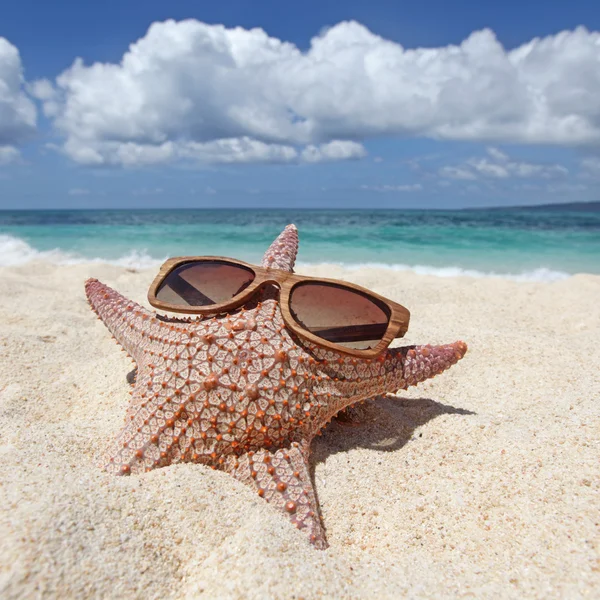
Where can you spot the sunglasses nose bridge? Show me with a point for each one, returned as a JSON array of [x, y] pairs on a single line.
[[275, 280], [269, 281]]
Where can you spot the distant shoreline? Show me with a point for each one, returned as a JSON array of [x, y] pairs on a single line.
[[563, 206]]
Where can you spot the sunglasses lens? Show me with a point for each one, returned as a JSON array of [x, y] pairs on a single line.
[[203, 283], [339, 314]]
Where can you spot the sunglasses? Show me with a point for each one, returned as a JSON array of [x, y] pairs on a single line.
[[330, 313]]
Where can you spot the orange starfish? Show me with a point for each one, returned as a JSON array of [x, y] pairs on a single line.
[[240, 393]]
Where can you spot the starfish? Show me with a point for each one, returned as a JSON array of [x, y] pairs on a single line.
[[241, 393]]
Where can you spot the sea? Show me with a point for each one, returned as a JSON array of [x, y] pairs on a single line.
[[524, 245]]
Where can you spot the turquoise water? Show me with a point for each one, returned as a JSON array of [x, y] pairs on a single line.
[[527, 244]]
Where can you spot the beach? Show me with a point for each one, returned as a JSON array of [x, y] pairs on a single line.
[[482, 482]]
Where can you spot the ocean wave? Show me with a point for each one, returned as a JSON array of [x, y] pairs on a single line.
[[15, 251], [541, 274]]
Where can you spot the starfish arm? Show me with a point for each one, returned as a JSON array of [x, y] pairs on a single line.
[[282, 478], [129, 452], [126, 320], [282, 252], [424, 362], [397, 368]]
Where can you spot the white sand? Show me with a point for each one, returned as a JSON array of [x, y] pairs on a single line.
[[483, 482]]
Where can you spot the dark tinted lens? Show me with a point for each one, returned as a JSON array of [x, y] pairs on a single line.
[[204, 283], [339, 314]]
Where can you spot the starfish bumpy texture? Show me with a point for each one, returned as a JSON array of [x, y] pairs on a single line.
[[240, 393]]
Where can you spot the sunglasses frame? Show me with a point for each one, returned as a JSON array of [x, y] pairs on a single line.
[[397, 325]]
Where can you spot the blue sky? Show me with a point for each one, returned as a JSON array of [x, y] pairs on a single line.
[[201, 116]]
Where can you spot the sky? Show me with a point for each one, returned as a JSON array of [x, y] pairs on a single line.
[[436, 104]]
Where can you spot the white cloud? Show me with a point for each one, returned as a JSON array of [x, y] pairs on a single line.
[[188, 84], [591, 166], [8, 154], [497, 154], [224, 151], [530, 187], [335, 150], [553, 188], [247, 150], [487, 168], [79, 192], [17, 111], [42, 89], [457, 173], [524, 169], [409, 187], [500, 166], [566, 188], [147, 192], [237, 150]]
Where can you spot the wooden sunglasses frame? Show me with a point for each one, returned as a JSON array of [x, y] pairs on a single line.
[[399, 316]]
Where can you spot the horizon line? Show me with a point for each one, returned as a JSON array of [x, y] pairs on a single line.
[[553, 206]]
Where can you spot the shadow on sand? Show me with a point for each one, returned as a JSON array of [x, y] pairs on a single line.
[[385, 423]]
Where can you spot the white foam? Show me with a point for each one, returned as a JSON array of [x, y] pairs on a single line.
[[15, 251], [133, 260], [541, 274]]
